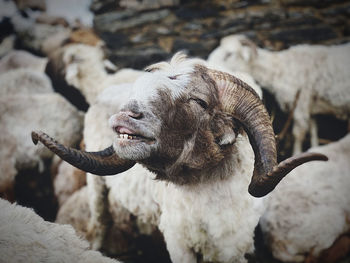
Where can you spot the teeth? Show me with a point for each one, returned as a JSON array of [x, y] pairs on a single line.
[[126, 137]]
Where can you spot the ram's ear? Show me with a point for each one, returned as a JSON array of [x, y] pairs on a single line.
[[229, 137]]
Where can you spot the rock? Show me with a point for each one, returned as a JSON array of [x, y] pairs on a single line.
[[303, 35], [148, 4], [101, 6], [118, 20], [22, 59], [198, 49], [24, 82], [197, 26], [137, 58], [75, 12], [33, 4], [67, 181]]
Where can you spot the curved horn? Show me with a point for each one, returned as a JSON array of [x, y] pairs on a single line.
[[242, 102], [105, 162]]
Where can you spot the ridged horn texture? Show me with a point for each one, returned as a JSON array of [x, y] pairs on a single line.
[[105, 162], [242, 102]]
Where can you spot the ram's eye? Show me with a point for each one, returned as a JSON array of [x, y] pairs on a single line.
[[201, 103], [173, 77]]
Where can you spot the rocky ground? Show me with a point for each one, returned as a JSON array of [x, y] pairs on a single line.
[[137, 36]]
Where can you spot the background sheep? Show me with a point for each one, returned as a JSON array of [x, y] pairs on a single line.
[[22, 59], [178, 124], [40, 241], [310, 209], [23, 84], [319, 72], [85, 68]]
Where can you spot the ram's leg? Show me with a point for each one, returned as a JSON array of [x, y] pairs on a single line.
[[313, 132], [299, 132], [301, 122]]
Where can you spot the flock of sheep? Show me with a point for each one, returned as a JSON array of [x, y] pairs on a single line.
[[190, 149]]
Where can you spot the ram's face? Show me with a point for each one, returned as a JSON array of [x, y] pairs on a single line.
[[173, 120]]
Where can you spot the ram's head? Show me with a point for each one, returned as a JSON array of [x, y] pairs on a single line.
[[182, 118]]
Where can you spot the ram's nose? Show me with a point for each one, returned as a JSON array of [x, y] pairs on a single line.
[[133, 114], [132, 110]]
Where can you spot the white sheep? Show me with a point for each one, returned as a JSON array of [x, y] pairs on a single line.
[[319, 72], [24, 81], [311, 208], [22, 59], [26, 237], [84, 67], [183, 122]]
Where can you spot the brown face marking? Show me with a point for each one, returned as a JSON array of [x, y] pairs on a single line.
[[188, 141]]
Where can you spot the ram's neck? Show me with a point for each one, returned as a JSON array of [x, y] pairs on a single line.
[[230, 179]]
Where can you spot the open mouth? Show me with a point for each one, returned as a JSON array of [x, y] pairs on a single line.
[[125, 133]]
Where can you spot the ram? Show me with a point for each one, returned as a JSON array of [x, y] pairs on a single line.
[[194, 129], [320, 73]]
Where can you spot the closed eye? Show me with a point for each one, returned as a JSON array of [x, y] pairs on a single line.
[[201, 103]]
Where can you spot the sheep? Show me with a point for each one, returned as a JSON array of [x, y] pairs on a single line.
[[301, 222], [26, 237], [24, 81], [22, 59], [84, 67], [196, 131], [96, 128], [319, 72], [19, 114], [67, 181]]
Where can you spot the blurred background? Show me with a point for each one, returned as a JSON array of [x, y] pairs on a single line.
[[52, 85]]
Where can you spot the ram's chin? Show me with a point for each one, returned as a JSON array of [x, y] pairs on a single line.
[[133, 150]]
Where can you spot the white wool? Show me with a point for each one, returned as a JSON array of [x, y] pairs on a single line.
[[216, 219], [22, 59], [244, 76], [26, 237], [21, 114], [310, 208], [320, 72], [24, 81], [84, 68]]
